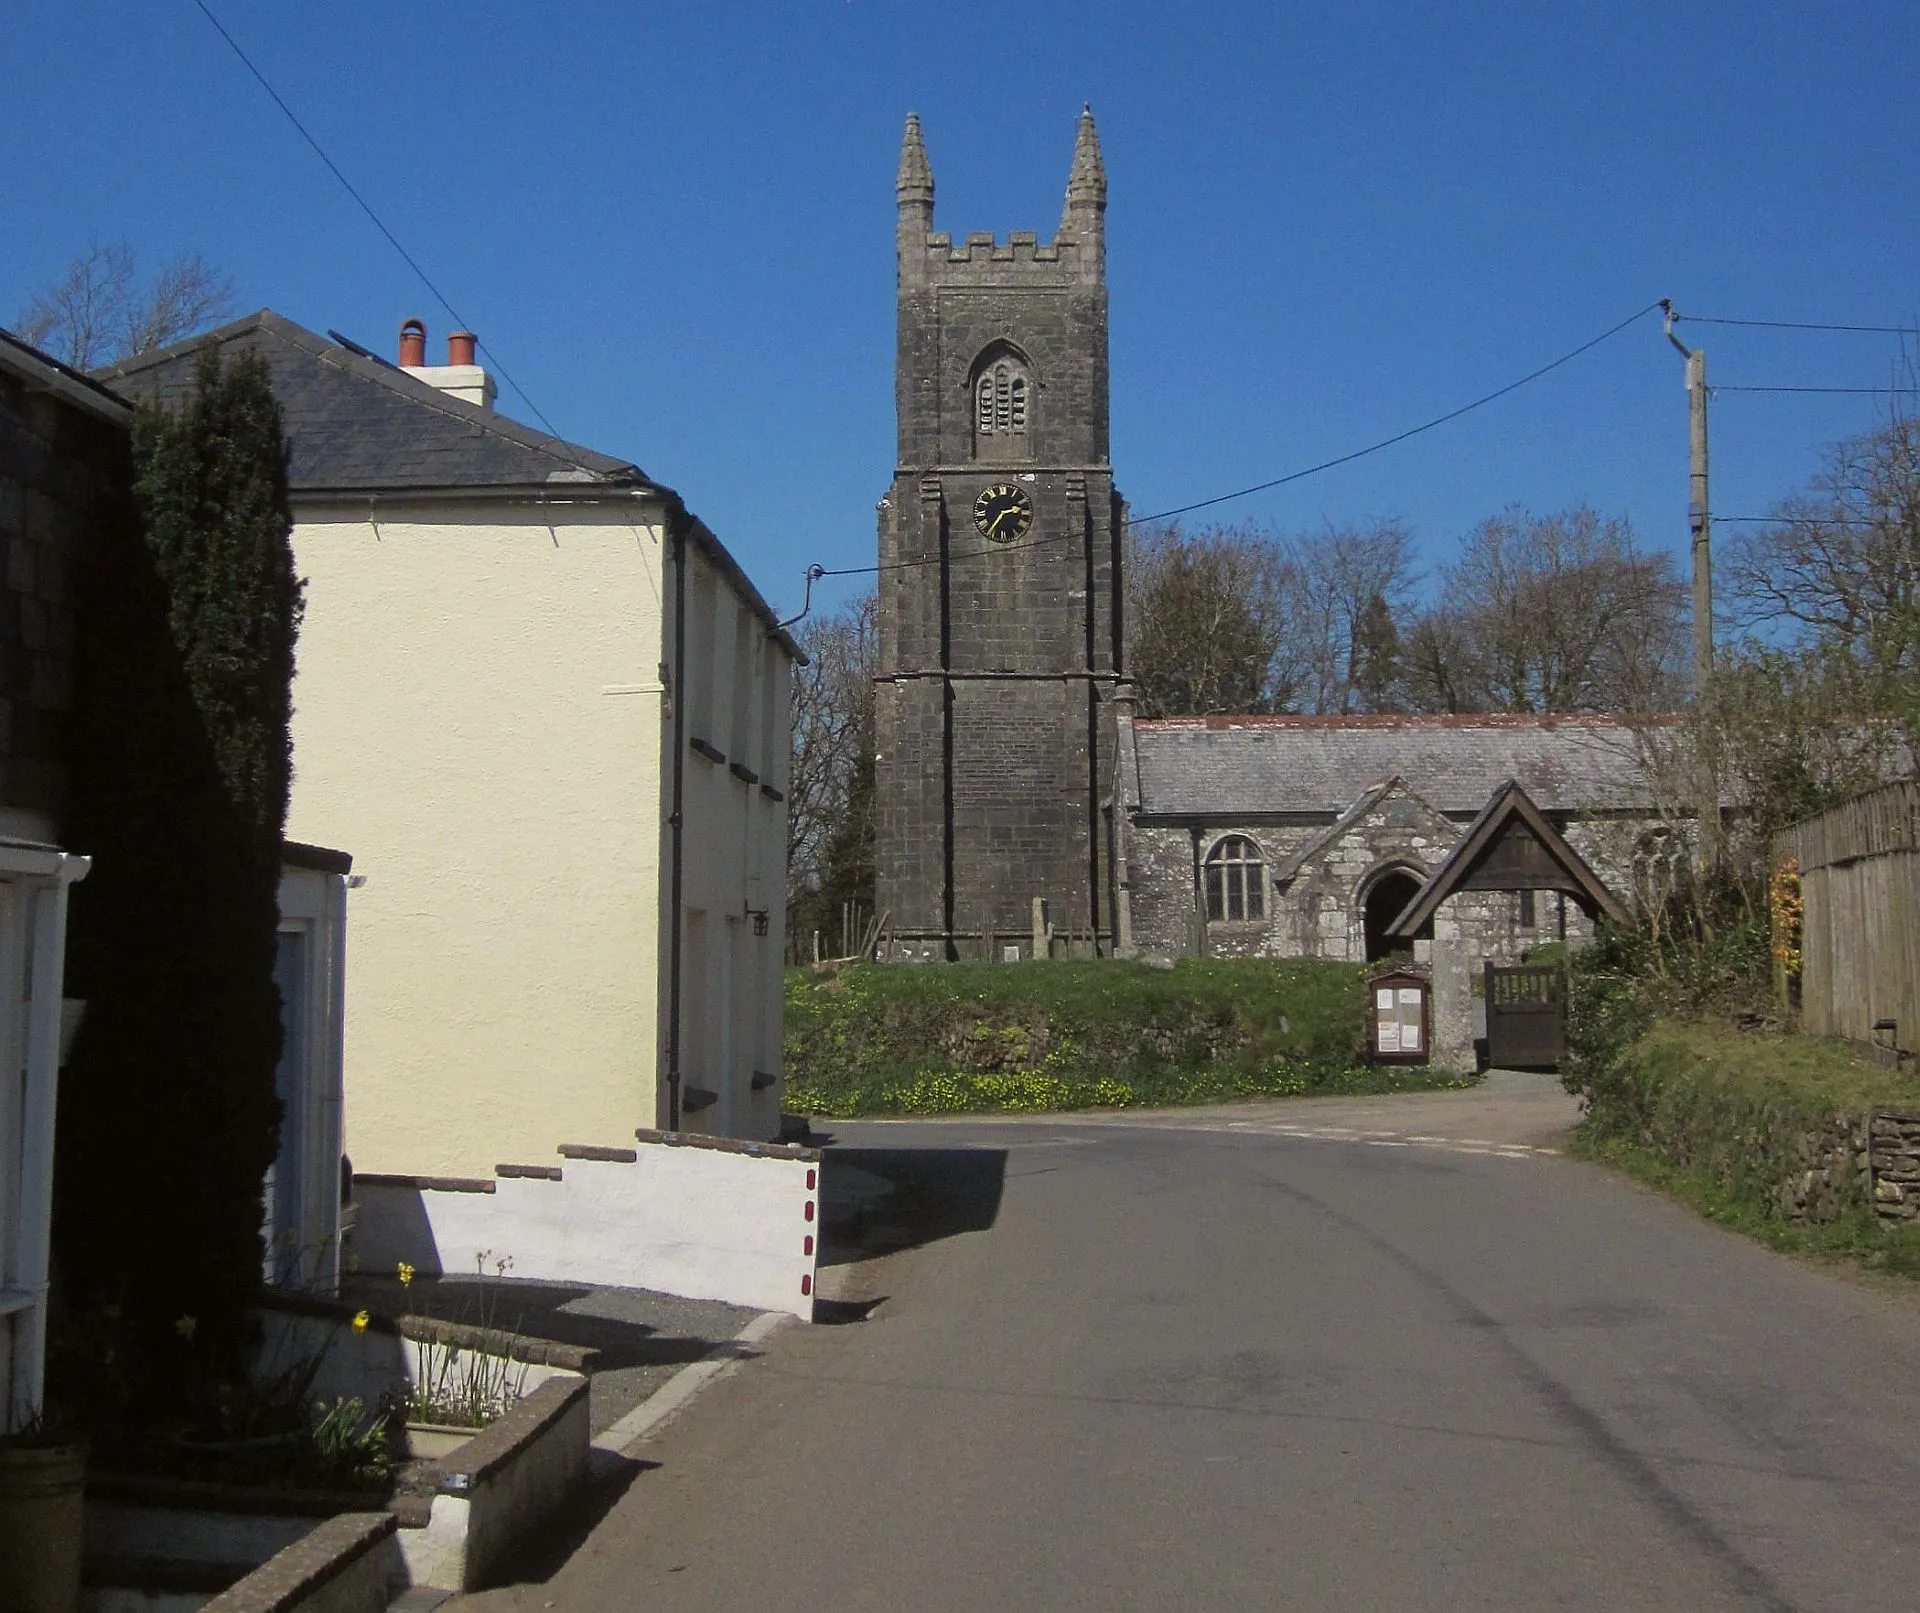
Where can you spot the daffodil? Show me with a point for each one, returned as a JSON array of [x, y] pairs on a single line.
[[184, 1327], [406, 1274], [360, 1320]]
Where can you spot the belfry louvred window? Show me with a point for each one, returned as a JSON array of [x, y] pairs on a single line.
[[1002, 400]]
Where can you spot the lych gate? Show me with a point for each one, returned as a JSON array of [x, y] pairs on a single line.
[[1512, 846]]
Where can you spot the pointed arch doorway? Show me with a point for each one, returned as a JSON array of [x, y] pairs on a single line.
[[1383, 900]]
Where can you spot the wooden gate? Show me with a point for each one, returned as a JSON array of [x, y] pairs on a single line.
[[1526, 1017]]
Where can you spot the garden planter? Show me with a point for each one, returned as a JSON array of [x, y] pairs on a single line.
[[42, 1506], [431, 1441]]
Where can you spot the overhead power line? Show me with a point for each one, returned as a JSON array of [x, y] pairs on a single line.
[[1278, 481], [1849, 391], [1411, 431], [367, 208], [1799, 324]]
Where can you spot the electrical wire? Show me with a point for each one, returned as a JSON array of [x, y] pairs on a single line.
[[1851, 391], [1278, 481], [1798, 324], [365, 207], [1413, 431]]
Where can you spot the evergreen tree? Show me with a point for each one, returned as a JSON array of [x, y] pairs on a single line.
[[1374, 671], [181, 771]]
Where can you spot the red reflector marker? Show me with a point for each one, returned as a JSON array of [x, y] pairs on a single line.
[[808, 1249], [806, 1283], [809, 1181], [809, 1209]]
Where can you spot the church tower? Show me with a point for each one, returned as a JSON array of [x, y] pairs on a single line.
[[1000, 582]]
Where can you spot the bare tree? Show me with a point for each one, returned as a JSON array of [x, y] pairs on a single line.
[[1354, 582], [830, 786], [98, 311], [1839, 573], [1555, 613]]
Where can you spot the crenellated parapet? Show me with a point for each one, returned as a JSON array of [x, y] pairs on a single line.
[[1022, 246], [929, 257]]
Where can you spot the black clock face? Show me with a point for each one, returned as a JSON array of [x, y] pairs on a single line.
[[1003, 513]]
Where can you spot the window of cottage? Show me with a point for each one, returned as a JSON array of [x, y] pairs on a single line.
[[1235, 878]]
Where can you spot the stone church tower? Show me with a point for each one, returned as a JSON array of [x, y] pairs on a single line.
[[1000, 583]]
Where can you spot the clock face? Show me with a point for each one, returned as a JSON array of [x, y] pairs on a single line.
[[1003, 513]]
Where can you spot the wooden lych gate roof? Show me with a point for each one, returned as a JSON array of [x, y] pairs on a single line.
[[1510, 846]]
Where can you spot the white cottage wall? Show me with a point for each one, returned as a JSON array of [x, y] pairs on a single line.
[[477, 713], [734, 874]]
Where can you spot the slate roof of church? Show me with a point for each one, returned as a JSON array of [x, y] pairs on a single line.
[[357, 424], [1228, 767]]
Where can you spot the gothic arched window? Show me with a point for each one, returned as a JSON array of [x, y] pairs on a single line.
[[1002, 406], [1235, 876]]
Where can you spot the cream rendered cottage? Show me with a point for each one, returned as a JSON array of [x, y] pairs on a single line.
[[548, 712]]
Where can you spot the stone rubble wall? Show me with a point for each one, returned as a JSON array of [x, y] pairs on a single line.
[[1876, 1159], [1892, 1150]]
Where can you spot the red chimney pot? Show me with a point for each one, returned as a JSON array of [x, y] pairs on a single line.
[[413, 344], [460, 346]]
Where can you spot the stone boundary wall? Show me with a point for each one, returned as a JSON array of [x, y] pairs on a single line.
[[1875, 1159], [1893, 1165]]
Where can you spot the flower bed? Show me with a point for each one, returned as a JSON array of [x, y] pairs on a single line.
[[168, 1530]]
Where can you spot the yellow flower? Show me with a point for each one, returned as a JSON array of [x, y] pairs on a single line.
[[184, 1327], [360, 1320], [406, 1274]]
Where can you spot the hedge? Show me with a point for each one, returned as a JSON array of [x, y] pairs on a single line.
[[1763, 1117], [952, 1038]]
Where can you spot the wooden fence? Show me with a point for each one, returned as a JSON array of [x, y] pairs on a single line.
[[1860, 924]]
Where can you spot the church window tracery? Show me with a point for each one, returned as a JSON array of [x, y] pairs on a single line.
[[1235, 877]]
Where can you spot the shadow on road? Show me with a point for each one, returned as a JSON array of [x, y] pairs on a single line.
[[878, 1200]]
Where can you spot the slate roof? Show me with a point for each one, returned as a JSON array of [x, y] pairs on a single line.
[[43, 371], [1250, 767], [355, 424]]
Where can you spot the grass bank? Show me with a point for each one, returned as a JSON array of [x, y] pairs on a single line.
[[1854, 1238], [1759, 1131], [974, 1037]]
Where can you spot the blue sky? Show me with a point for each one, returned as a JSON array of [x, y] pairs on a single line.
[[1327, 222]]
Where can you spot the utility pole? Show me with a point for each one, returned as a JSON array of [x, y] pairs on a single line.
[[1699, 520], [1700, 524]]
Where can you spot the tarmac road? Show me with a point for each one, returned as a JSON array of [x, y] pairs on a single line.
[[1236, 1360]]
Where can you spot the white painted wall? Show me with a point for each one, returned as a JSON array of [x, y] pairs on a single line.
[[705, 1222], [477, 715], [736, 859]]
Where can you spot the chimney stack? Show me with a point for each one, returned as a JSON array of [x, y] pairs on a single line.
[[460, 377]]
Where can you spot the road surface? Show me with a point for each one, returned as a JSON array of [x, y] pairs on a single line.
[[1372, 1357]]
